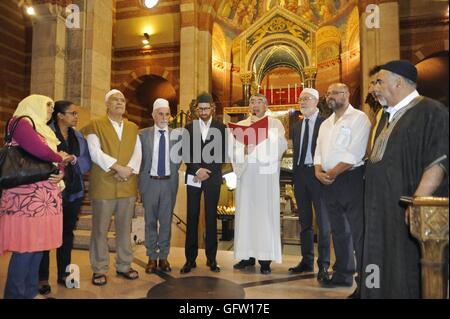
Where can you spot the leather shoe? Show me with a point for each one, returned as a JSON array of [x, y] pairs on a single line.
[[151, 266], [45, 289], [330, 283], [245, 263], [301, 268], [187, 267], [323, 274], [265, 270], [164, 265], [213, 266]]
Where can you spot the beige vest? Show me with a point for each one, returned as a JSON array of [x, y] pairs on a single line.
[[103, 185]]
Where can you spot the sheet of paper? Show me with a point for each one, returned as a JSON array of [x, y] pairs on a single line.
[[190, 181]]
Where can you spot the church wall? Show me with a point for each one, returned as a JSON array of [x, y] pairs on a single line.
[[236, 87], [15, 59], [328, 72], [131, 60], [423, 28]]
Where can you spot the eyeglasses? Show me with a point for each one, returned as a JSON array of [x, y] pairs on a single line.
[[203, 109], [334, 93], [74, 113], [306, 98]]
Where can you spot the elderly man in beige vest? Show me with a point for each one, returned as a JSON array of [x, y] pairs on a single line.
[[116, 154]]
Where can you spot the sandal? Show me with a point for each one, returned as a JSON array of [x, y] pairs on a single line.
[[131, 274], [99, 279]]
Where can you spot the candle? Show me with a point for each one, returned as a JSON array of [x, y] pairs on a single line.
[[289, 94], [296, 95], [271, 94]]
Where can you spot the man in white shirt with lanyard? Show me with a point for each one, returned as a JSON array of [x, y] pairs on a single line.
[[339, 165]]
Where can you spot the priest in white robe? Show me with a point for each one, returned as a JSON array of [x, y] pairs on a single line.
[[257, 166]]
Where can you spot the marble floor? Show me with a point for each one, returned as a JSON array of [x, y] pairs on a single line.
[[200, 283]]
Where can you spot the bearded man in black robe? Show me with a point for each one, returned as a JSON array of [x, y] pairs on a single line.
[[409, 157]]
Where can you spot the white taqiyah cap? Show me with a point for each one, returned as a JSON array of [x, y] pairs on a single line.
[[159, 103], [113, 91], [311, 91]]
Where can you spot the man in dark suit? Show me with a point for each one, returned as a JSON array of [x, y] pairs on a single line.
[[307, 189], [158, 185], [203, 153]]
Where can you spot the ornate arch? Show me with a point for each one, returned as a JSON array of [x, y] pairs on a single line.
[[277, 39], [129, 86]]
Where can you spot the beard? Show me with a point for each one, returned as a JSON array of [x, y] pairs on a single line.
[[334, 105], [380, 99]]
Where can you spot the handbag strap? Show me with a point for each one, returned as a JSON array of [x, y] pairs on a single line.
[[9, 135]]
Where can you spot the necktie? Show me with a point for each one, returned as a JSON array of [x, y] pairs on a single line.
[[305, 142], [162, 154]]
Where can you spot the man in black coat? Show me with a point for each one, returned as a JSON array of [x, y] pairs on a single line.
[[308, 189], [204, 154]]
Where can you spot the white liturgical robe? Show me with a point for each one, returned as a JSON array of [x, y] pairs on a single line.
[[257, 218]]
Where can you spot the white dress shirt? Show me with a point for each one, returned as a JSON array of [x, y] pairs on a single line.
[[343, 141], [394, 109], [204, 127], [155, 155], [104, 160], [312, 121]]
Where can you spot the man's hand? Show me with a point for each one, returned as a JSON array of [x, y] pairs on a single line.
[[202, 175], [56, 178], [124, 172], [118, 178], [324, 178]]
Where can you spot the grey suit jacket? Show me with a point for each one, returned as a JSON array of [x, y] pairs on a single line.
[[146, 136]]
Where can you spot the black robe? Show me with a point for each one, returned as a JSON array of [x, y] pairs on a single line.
[[419, 139]]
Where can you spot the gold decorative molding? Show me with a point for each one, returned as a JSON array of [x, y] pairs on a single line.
[[273, 108], [277, 25], [246, 77], [122, 53], [428, 221]]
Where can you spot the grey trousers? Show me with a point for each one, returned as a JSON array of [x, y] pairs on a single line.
[[102, 211], [158, 200]]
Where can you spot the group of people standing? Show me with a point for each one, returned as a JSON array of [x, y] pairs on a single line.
[[354, 175], [354, 189]]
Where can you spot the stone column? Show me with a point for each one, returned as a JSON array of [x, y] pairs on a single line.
[[195, 51], [246, 78], [96, 80], [310, 77], [379, 43], [48, 51]]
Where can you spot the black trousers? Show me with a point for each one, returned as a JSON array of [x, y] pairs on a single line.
[[344, 200], [308, 192], [211, 196], [63, 253]]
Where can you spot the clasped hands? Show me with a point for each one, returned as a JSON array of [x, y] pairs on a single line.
[[122, 172], [201, 175], [326, 178]]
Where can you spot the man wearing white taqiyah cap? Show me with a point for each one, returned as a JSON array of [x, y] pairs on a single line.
[[307, 189], [158, 185], [116, 154]]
